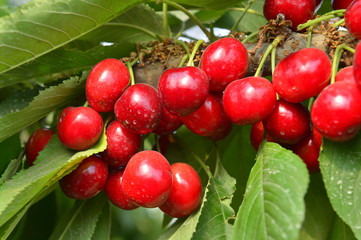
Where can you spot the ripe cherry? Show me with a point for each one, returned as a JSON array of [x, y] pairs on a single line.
[[249, 100], [106, 83], [258, 134], [113, 190], [147, 179], [297, 11], [168, 123], [186, 194], [289, 122], [139, 108], [309, 150], [79, 128], [210, 120], [122, 144], [37, 142], [87, 180], [345, 74], [353, 18], [224, 61], [183, 90], [341, 4], [336, 113], [302, 74], [357, 65]]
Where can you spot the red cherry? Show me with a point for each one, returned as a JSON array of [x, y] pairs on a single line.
[[224, 61], [168, 123], [113, 190], [297, 11], [341, 4], [209, 120], [122, 144], [186, 194], [147, 179], [357, 65], [183, 90], [249, 100], [139, 109], [37, 142], [302, 74], [309, 150], [353, 18], [106, 83], [336, 112], [288, 123], [79, 128], [258, 134], [87, 180], [345, 74]]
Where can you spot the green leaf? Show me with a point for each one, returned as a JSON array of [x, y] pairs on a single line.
[[41, 26], [213, 222], [340, 165], [251, 21], [340, 231], [81, 222], [213, 4], [47, 101], [10, 149], [8, 227], [10, 170], [63, 63], [211, 219], [319, 213], [139, 24], [51, 165], [273, 206], [102, 231]]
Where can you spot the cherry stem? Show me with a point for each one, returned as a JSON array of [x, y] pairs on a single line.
[[250, 11], [309, 36], [146, 31], [165, 20], [327, 16], [185, 57], [192, 17], [310, 103], [203, 165], [273, 59], [338, 23], [131, 73], [194, 51], [337, 57], [86, 104], [251, 36], [250, 3], [269, 49]]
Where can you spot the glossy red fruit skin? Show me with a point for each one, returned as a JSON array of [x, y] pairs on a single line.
[[147, 179], [249, 100], [105, 84], [186, 194], [37, 142], [289, 123], [309, 150], [297, 11], [357, 65], [79, 128], [168, 123], [257, 135], [87, 180], [139, 108], [341, 4], [224, 61], [183, 90], [113, 190], [336, 113], [345, 74], [302, 74], [209, 120], [353, 18], [122, 144]]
